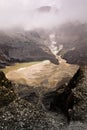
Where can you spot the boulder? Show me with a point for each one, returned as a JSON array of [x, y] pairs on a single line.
[[7, 94]]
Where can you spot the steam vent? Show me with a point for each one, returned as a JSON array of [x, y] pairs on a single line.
[[43, 65]]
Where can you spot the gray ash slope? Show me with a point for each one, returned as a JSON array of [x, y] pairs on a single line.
[[23, 47], [73, 37]]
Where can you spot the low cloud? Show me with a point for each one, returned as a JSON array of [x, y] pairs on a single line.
[[23, 13]]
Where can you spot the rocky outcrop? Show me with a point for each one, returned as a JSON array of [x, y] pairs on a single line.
[[71, 98], [7, 94], [80, 92], [22, 115], [77, 56], [33, 109]]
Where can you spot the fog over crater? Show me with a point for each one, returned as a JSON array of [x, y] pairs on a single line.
[[24, 13]]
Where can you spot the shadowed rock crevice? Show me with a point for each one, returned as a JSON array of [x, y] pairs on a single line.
[[27, 111], [56, 102], [64, 97]]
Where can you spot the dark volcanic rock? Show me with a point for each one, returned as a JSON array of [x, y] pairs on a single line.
[[71, 98], [21, 114], [7, 94], [78, 56], [80, 92]]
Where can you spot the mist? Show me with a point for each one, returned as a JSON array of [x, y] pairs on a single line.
[[23, 13]]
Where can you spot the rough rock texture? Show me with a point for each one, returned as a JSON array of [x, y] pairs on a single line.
[[80, 92], [22, 114], [39, 109], [72, 98], [7, 94]]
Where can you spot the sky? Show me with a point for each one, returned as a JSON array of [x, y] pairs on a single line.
[[23, 13]]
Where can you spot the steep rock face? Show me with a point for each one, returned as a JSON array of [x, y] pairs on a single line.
[[71, 98], [7, 94], [23, 47], [31, 110], [78, 56], [63, 97], [80, 92]]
